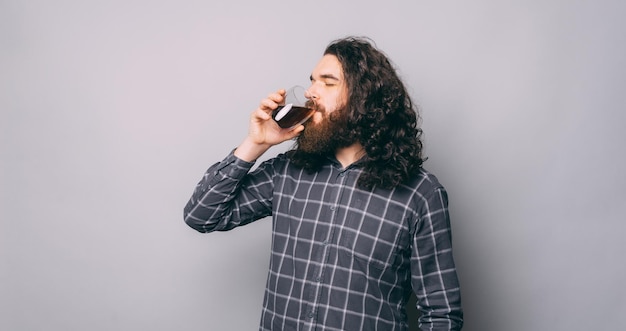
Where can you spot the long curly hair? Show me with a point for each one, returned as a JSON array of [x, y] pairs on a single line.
[[379, 114]]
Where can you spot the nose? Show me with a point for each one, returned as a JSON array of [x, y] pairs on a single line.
[[310, 93]]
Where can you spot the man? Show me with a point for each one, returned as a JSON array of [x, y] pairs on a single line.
[[357, 222]]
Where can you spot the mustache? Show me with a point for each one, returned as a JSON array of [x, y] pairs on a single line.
[[316, 107], [312, 105]]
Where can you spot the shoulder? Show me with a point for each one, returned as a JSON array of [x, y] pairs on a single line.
[[426, 192], [424, 183]]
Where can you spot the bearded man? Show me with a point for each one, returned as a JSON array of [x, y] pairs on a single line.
[[357, 222]]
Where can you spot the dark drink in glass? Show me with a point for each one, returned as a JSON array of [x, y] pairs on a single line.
[[289, 115], [296, 109]]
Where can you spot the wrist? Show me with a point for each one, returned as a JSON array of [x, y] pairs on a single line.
[[250, 151]]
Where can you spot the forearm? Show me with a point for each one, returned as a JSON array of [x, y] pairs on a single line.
[[439, 300], [439, 295], [213, 205], [449, 320], [250, 151]]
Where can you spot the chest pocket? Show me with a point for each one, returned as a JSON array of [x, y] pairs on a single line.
[[375, 234]]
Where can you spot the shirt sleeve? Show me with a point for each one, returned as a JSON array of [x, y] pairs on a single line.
[[228, 195], [434, 276]]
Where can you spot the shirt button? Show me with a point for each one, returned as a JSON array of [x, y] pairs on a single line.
[[318, 279], [325, 243], [332, 207], [310, 315]]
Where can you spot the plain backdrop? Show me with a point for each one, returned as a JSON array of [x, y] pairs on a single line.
[[112, 110]]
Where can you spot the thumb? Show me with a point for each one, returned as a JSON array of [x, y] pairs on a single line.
[[295, 131]]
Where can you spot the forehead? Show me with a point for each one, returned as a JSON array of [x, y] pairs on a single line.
[[328, 65]]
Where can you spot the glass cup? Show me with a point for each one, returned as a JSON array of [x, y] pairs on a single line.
[[295, 110]]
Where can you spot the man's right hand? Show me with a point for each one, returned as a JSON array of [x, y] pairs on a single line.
[[264, 132]]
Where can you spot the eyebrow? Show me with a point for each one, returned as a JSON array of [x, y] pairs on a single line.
[[325, 76]]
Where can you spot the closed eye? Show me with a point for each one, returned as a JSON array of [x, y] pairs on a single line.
[[327, 78]]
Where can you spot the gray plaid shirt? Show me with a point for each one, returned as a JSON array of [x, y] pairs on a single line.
[[342, 258]]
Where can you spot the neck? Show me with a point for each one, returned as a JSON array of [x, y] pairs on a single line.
[[348, 155]]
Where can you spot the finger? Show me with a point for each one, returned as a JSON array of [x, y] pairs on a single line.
[[268, 104], [262, 114], [296, 131], [278, 96]]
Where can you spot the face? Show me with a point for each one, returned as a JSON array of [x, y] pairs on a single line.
[[328, 89]]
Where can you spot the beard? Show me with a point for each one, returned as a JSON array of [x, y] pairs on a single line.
[[325, 137]]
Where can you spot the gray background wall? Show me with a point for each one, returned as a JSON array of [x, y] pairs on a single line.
[[112, 110]]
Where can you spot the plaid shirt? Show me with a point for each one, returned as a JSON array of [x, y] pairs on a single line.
[[342, 258]]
